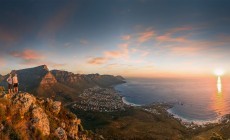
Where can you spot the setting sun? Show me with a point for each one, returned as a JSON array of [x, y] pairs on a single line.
[[219, 72]]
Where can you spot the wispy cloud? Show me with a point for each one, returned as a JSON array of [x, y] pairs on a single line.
[[169, 38], [84, 41], [145, 36], [123, 51], [27, 54], [126, 37], [97, 60]]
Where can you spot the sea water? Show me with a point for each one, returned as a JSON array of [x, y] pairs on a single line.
[[194, 100]]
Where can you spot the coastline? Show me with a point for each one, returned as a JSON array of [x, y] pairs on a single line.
[[184, 121], [129, 103]]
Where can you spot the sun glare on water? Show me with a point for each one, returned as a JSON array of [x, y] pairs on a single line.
[[219, 72]]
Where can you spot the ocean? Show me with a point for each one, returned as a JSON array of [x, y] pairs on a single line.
[[194, 100]]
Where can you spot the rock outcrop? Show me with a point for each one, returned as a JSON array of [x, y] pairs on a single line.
[[40, 120], [29, 117], [22, 102], [60, 133]]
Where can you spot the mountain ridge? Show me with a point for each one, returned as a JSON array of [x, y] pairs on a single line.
[[60, 85]]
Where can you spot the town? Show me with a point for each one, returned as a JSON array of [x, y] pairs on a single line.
[[100, 100]]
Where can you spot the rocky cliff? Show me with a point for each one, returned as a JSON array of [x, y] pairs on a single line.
[[25, 117]]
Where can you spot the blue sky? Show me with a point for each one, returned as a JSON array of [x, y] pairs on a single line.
[[126, 37]]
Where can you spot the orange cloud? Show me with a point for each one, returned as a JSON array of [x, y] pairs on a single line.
[[169, 38], [126, 37], [122, 52], [27, 54], [183, 50], [145, 36], [97, 60]]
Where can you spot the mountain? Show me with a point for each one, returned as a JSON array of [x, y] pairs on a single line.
[[60, 85], [25, 117], [1, 78]]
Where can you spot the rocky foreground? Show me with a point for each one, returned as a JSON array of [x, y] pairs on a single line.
[[25, 117]]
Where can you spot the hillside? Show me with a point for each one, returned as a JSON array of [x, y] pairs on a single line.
[[25, 117], [60, 85]]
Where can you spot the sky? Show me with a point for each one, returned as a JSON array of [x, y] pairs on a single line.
[[132, 38]]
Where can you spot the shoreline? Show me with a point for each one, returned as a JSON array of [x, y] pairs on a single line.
[[129, 103], [188, 122], [183, 120]]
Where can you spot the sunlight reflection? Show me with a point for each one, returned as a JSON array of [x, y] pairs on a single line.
[[219, 85], [219, 102]]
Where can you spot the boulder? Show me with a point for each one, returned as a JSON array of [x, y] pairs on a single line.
[[60, 133], [56, 107], [22, 102], [40, 120]]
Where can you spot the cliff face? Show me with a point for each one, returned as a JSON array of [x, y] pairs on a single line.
[[48, 80], [25, 117]]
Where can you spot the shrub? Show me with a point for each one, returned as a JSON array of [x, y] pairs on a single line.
[[80, 127], [216, 136]]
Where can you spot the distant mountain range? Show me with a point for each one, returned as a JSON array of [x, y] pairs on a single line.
[[61, 85]]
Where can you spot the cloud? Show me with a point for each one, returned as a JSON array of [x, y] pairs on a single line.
[[97, 60], [169, 38], [68, 45], [126, 37], [185, 50], [179, 29], [27, 54], [84, 41], [145, 36], [122, 52], [142, 52]]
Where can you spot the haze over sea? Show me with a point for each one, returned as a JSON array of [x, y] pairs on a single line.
[[194, 99]]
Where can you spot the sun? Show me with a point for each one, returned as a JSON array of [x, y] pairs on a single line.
[[219, 72]]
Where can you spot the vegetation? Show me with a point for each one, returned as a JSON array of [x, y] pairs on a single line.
[[216, 136], [2, 89]]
